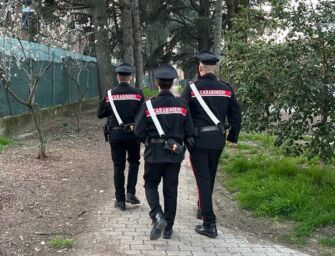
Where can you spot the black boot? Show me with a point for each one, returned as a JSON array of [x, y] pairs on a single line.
[[167, 233], [199, 214], [121, 205], [132, 199], [159, 225], [207, 230]]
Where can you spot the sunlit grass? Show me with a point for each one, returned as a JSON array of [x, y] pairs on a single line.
[[270, 184]]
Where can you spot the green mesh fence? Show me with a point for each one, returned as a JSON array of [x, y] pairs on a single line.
[[56, 86]]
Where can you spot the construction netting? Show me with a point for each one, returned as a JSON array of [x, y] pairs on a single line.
[[68, 75]]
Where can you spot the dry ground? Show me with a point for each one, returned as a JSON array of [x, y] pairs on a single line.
[[41, 199]]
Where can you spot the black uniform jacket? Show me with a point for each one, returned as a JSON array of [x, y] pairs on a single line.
[[128, 101], [220, 98], [175, 119]]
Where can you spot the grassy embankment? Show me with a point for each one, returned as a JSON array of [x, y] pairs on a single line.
[[269, 184]]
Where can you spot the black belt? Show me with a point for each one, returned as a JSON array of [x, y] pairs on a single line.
[[156, 140], [117, 128], [207, 129]]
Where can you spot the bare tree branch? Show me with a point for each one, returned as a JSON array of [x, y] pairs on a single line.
[[7, 87], [195, 5]]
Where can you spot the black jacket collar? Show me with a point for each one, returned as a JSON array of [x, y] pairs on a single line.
[[208, 76], [123, 84], [164, 93]]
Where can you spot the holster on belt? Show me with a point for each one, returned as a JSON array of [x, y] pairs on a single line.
[[173, 146], [124, 127], [128, 127]]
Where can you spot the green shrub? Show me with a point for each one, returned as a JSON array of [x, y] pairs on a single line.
[[149, 93]]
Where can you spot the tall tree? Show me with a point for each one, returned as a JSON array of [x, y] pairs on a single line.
[[102, 47], [91, 16], [127, 31], [204, 24], [156, 34], [218, 29], [233, 8], [138, 57]]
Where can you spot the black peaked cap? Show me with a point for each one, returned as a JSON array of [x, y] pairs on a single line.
[[206, 57], [165, 72], [124, 68]]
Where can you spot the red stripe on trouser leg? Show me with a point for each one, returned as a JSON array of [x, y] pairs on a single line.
[[198, 189]]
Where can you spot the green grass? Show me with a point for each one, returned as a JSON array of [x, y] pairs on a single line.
[[327, 241], [149, 93], [269, 184], [260, 138], [242, 146], [4, 142], [61, 243]]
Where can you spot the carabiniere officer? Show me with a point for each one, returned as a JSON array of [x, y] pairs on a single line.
[[128, 101], [162, 161], [210, 138]]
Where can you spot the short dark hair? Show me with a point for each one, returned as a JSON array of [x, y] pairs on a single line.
[[165, 83], [124, 78], [123, 74]]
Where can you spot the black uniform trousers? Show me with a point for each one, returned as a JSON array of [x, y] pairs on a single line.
[[153, 173], [119, 150], [205, 163]]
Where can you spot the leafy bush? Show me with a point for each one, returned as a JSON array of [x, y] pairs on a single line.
[[287, 85], [149, 93]]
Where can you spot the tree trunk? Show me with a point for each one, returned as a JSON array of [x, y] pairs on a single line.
[[189, 68], [36, 118], [79, 114], [102, 48], [204, 25], [80, 99], [218, 31], [127, 32], [157, 32], [233, 7], [138, 44]]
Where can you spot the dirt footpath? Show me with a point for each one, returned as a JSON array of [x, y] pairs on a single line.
[[42, 199]]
